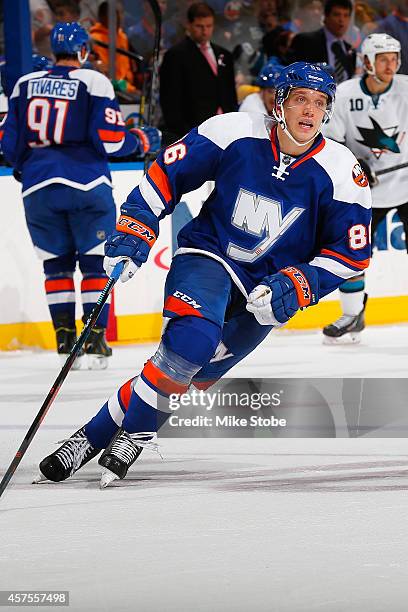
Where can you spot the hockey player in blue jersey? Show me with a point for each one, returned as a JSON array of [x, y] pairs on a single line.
[[62, 125], [288, 220]]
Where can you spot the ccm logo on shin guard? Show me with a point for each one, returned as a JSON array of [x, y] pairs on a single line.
[[136, 228], [302, 286]]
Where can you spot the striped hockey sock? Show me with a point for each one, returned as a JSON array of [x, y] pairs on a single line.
[[60, 292], [106, 422], [149, 402]]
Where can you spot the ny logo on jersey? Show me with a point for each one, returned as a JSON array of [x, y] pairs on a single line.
[[259, 216]]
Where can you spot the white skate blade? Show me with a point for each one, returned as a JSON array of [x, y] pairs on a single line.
[[77, 363], [39, 478], [97, 362], [106, 478], [350, 338]]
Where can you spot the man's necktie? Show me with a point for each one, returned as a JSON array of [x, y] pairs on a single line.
[[208, 56], [340, 62]]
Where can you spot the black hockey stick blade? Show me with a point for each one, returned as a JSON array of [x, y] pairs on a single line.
[[61, 377], [392, 169]]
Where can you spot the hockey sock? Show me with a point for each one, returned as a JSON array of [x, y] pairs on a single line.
[[106, 422], [94, 281], [149, 401], [170, 371], [142, 403], [60, 290], [146, 413], [352, 295]]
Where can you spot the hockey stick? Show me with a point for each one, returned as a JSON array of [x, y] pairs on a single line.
[[155, 69], [156, 53], [61, 376], [392, 169]]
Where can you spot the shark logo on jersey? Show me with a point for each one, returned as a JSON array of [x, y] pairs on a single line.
[[378, 140]]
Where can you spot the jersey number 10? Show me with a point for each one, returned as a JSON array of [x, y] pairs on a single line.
[[38, 118]]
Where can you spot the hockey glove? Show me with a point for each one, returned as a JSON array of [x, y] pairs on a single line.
[[149, 138], [279, 296], [369, 172], [131, 241]]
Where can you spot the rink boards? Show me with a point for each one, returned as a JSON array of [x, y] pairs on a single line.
[[24, 317]]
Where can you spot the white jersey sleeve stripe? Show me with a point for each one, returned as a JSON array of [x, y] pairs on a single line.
[[112, 147], [334, 267], [150, 196]]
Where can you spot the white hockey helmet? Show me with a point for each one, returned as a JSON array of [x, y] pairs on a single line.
[[379, 43]]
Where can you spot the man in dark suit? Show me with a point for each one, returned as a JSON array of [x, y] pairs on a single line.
[[196, 77], [328, 44]]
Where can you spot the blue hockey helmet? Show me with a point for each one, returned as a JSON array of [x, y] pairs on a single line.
[[69, 39], [310, 76], [41, 62], [268, 75]]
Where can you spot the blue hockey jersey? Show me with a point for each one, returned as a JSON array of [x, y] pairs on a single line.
[[267, 210], [61, 126]]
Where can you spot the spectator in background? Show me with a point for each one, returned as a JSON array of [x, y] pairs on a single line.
[[365, 17], [268, 19], [264, 100], [42, 22], [327, 44], [307, 16], [278, 47], [125, 70], [89, 12], [249, 56], [141, 34], [66, 10], [196, 77], [396, 25]]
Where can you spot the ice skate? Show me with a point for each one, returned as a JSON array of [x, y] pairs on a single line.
[[66, 339], [347, 329], [72, 455], [122, 452], [96, 349]]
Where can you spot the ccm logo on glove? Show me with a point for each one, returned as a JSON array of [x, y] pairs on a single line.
[[302, 287], [136, 228]]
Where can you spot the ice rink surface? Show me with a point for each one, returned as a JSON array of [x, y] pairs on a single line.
[[277, 525]]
